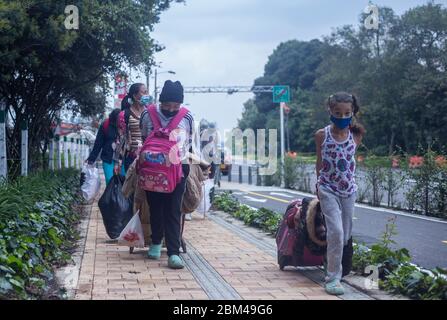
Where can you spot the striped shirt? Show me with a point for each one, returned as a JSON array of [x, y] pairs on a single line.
[[134, 132]]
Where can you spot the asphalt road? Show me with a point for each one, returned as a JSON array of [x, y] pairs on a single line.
[[425, 239]]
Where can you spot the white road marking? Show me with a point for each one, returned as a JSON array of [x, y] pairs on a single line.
[[281, 194], [255, 199]]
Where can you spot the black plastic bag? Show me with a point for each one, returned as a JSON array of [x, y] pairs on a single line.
[[116, 210]]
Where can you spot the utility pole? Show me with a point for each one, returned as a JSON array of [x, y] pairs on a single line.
[[3, 160], [281, 117], [155, 88]]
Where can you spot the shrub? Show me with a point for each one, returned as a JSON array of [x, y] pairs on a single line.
[[36, 231]]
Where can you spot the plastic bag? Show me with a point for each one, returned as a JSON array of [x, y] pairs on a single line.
[[115, 208], [92, 182], [205, 203], [132, 235]]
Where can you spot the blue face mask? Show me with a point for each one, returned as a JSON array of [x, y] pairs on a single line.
[[146, 100], [341, 122]]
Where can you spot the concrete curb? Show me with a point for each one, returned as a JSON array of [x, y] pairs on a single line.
[[68, 276]]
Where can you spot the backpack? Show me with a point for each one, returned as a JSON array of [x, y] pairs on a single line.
[[105, 127], [159, 165], [123, 119]]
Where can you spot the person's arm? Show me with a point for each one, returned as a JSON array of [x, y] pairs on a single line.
[[99, 143], [319, 138]]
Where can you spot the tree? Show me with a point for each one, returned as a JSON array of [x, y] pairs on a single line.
[[45, 67]]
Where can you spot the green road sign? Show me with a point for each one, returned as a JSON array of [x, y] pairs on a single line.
[[281, 94]]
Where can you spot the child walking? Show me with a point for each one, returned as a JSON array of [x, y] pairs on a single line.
[[336, 145]]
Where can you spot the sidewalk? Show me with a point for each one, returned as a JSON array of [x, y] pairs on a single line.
[[220, 264]]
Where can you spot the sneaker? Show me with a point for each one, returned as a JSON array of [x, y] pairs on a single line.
[[154, 252], [175, 262], [334, 287], [188, 217]]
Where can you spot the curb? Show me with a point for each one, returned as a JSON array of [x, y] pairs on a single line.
[[68, 276]]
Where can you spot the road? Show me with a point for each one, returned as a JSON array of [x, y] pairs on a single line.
[[399, 197], [425, 238]]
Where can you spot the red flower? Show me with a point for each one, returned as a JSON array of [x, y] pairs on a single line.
[[441, 161], [292, 154], [416, 161], [395, 162]]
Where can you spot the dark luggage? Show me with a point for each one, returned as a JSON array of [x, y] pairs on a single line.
[[116, 210], [301, 237], [292, 238]]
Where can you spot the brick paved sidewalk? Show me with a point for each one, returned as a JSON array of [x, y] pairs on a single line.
[[220, 264]]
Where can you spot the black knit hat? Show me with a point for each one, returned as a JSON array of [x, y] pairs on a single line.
[[172, 92]]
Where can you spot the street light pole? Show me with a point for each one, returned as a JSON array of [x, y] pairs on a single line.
[[155, 83], [281, 119]]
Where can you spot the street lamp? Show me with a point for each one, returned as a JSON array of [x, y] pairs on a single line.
[[155, 82]]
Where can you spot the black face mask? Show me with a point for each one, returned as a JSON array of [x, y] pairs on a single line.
[[168, 113]]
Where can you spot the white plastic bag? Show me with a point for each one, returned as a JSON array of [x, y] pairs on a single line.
[[132, 235], [205, 203], [92, 182]]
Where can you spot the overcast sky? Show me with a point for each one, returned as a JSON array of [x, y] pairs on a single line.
[[228, 42]]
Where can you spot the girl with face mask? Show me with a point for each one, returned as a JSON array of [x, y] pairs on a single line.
[[129, 124], [336, 145]]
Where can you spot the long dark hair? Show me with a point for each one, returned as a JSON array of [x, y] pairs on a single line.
[[134, 89], [343, 97], [113, 117]]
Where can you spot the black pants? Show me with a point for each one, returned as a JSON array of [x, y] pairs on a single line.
[[166, 215]]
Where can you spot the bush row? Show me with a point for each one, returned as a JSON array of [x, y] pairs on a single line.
[[37, 231]]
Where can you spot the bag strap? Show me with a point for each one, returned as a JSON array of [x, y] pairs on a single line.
[[173, 124], [152, 110]]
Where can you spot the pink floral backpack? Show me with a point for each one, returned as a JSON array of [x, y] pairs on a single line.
[[159, 165]]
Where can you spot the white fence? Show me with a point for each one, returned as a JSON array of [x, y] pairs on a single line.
[[63, 153]]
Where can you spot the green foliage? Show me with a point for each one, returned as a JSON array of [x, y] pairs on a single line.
[[45, 67], [397, 274], [397, 72], [36, 231], [429, 194], [264, 219], [375, 177]]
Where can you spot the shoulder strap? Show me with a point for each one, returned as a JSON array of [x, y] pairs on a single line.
[[152, 110], [173, 124]]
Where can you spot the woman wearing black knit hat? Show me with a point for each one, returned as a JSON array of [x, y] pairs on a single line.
[[165, 207]]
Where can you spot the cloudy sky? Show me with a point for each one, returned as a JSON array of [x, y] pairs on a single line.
[[228, 42]]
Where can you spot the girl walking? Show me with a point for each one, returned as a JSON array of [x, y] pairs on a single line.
[[336, 145]]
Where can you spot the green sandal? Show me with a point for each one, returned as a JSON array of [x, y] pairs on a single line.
[[335, 288], [175, 262], [154, 252]]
